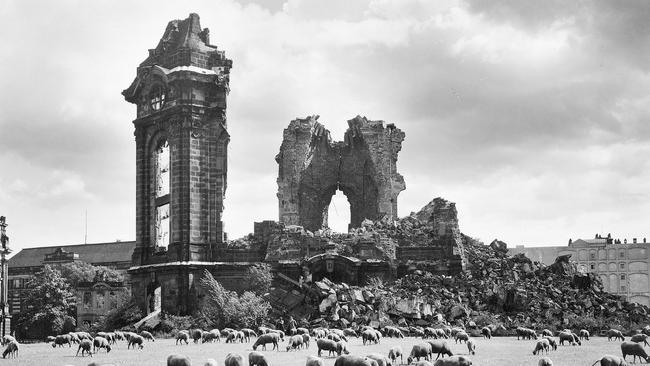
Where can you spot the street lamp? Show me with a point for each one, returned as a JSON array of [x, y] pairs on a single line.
[[5, 317]]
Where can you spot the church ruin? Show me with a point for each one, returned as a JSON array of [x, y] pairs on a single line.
[[181, 136]]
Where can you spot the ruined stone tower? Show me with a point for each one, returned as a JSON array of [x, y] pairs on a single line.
[[312, 168], [181, 164]]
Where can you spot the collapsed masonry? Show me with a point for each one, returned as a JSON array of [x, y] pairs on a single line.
[[495, 289], [312, 168]]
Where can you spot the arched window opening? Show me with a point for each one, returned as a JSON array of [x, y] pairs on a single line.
[[157, 97], [338, 213]]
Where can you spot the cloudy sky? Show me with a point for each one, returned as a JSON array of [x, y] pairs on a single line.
[[532, 116]]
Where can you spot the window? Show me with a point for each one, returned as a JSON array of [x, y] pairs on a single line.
[[622, 277], [157, 97], [621, 266], [621, 254], [161, 160], [623, 288], [592, 267], [592, 256]]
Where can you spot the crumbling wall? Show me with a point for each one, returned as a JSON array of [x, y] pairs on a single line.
[[363, 166]]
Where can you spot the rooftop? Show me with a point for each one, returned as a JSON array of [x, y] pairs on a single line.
[[96, 253]]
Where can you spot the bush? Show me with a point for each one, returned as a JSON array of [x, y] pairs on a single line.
[[223, 308], [259, 278], [125, 314]]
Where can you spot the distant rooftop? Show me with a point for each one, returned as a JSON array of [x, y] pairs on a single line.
[[96, 253]]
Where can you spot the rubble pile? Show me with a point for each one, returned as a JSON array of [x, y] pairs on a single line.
[[511, 290]]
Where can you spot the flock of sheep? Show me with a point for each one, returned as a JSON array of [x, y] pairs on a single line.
[[334, 342]]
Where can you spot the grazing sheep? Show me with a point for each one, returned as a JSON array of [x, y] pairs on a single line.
[[421, 350], [100, 364], [99, 343], [634, 349], [210, 362], [456, 330], [542, 345], [182, 336], [333, 336], [423, 363], [178, 360], [462, 336], [257, 359], [50, 339], [616, 334], [454, 361], [526, 333], [546, 333], [380, 359], [395, 352], [552, 342], [609, 360], [369, 335], [330, 346], [119, 335], [248, 333], [545, 361], [62, 339], [305, 340], [148, 336], [440, 347], [211, 336], [486, 332], [281, 333], [349, 360], [295, 342], [564, 336], [85, 346], [233, 359], [302, 330], [640, 338], [314, 361], [135, 340], [74, 338], [583, 333], [349, 332], [11, 350], [263, 339], [196, 335], [471, 347]]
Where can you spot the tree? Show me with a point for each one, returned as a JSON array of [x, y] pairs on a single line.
[[50, 305], [259, 278], [76, 272], [225, 308]]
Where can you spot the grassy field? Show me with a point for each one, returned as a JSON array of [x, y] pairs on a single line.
[[497, 351]]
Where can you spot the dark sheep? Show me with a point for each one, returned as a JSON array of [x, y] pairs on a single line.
[[350, 332], [545, 361], [634, 349], [609, 360], [471, 347], [257, 359], [526, 333], [85, 346], [486, 332], [640, 338], [248, 333], [211, 336], [135, 340], [454, 361], [305, 340], [233, 359], [440, 348], [349, 360], [616, 334], [302, 330], [7, 339], [583, 334], [421, 350], [264, 339], [546, 333], [369, 335], [314, 361], [182, 336], [330, 346], [11, 350], [564, 336], [62, 339], [551, 342], [196, 334], [461, 336], [380, 359], [178, 360]]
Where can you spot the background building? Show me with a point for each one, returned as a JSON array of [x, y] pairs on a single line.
[[26, 263], [623, 267]]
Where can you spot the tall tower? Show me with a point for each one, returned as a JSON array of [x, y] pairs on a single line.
[[181, 139]]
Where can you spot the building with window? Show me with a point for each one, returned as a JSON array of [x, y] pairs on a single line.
[[27, 262], [623, 267], [95, 299]]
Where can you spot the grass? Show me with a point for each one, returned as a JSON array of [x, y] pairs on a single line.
[[497, 351]]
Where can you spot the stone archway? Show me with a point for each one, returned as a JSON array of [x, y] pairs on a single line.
[[337, 268]]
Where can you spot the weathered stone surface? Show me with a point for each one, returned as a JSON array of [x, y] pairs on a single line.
[[312, 168]]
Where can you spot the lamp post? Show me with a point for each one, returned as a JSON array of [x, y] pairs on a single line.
[[5, 317]]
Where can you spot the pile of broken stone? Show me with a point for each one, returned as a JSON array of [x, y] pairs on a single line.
[[510, 290]]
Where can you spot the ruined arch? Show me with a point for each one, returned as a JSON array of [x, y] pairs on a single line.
[[312, 168]]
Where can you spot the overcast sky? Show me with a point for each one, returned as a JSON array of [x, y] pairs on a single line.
[[532, 116]]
